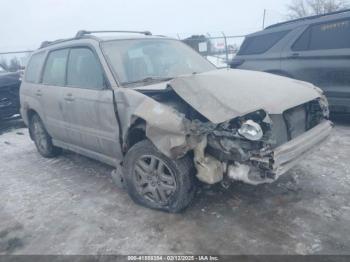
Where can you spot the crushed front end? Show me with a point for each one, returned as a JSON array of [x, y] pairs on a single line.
[[258, 148]]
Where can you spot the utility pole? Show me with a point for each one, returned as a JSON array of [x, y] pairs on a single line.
[[264, 17], [226, 50]]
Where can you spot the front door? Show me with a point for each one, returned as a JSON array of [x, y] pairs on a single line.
[[89, 112]]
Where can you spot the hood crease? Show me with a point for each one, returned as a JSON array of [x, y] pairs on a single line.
[[222, 95]]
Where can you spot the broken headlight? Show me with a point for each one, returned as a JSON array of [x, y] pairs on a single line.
[[324, 106], [251, 130]]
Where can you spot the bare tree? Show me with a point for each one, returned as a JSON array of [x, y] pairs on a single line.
[[302, 8], [14, 65], [3, 63]]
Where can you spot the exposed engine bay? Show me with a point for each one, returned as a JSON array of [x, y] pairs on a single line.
[[241, 149], [235, 130]]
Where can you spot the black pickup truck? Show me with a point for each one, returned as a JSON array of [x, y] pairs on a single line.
[[9, 93]]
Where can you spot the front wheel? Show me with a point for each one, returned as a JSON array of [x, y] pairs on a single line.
[[155, 181], [42, 139]]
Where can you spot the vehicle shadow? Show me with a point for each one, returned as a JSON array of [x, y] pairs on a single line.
[[239, 195]]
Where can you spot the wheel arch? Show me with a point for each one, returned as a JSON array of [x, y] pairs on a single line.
[[135, 133]]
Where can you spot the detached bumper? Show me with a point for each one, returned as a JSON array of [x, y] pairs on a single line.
[[289, 154]]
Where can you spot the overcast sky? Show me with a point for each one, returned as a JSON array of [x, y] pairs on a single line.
[[26, 23]]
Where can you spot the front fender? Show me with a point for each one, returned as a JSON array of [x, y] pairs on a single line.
[[165, 127]]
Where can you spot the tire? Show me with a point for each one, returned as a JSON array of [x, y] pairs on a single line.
[[42, 139], [155, 181]]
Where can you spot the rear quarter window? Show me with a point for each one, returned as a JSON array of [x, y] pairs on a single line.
[[260, 44], [330, 35], [34, 67]]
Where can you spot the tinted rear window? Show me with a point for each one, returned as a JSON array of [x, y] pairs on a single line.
[[260, 44], [330, 35], [55, 68], [33, 69]]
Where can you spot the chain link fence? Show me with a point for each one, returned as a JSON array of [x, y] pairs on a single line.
[[14, 60], [219, 50]]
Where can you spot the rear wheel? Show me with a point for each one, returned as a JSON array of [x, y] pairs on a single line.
[[42, 139], [155, 181]]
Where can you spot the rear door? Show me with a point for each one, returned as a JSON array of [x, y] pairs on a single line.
[[50, 93], [88, 105], [321, 55]]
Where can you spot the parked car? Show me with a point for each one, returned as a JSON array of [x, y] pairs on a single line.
[[165, 117], [9, 93], [313, 49]]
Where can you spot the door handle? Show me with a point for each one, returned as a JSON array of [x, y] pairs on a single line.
[[294, 55], [69, 97], [38, 93]]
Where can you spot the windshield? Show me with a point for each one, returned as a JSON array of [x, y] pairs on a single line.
[[144, 59]]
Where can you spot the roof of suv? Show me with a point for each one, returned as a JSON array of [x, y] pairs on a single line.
[[290, 25], [83, 34]]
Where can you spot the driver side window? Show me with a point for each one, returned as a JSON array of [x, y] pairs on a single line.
[[84, 70]]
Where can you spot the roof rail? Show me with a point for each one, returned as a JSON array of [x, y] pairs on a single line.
[[47, 43], [307, 18], [81, 33]]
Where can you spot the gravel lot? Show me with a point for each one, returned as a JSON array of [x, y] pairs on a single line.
[[69, 205]]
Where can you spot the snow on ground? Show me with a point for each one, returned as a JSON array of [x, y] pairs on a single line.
[[69, 205]]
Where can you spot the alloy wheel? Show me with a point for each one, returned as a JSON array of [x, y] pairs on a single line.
[[40, 135], [154, 179]]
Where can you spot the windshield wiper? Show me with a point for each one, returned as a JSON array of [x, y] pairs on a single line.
[[150, 79]]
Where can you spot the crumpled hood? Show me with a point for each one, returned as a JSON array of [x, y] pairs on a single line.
[[222, 95]]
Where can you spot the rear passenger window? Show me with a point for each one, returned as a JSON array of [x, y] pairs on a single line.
[[330, 35], [84, 69], [34, 67], [260, 44], [55, 68]]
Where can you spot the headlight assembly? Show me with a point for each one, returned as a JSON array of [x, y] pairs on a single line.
[[251, 130], [324, 106]]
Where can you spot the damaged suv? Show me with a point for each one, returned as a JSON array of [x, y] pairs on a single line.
[[165, 117]]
